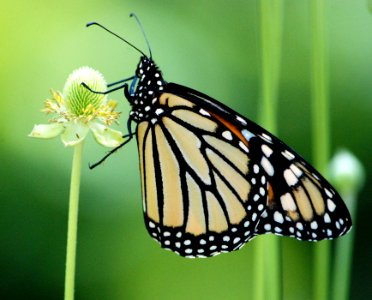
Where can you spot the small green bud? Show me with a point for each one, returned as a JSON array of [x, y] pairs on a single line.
[[346, 172]]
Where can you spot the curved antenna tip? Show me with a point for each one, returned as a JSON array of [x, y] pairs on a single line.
[[90, 24], [143, 31]]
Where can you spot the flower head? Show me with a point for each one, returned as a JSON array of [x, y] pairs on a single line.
[[78, 110]]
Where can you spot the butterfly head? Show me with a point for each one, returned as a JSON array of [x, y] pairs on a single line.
[[149, 85]]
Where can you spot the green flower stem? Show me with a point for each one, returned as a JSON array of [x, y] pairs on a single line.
[[267, 256], [320, 130], [343, 256], [72, 222]]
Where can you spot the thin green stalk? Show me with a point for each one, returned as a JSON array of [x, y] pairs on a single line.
[[320, 120], [343, 256], [348, 176], [267, 262], [72, 222], [271, 43]]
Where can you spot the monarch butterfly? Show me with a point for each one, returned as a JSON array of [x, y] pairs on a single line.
[[211, 179]]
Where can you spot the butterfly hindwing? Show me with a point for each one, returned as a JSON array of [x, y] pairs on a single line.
[[301, 203]]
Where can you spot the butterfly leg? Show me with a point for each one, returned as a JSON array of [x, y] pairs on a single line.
[[128, 137], [120, 81], [106, 92], [127, 92]]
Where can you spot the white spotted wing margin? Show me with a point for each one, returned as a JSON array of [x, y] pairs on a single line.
[[300, 202], [202, 194]]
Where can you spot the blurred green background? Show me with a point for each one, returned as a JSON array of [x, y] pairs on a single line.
[[212, 46]]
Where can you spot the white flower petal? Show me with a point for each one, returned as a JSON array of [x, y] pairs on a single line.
[[46, 131], [106, 136], [74, 133]]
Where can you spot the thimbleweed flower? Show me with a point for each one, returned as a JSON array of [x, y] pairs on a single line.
[[77, 110]]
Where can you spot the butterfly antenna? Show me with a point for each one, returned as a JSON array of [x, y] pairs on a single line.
[[118, 36], [143, 32]]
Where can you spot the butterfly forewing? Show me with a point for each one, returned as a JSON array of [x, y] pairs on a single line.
[[205, 202]]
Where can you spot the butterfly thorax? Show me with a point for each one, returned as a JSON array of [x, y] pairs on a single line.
[[149, 87]]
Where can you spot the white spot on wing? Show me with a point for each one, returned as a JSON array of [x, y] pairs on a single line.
[[288, 202], [151, 225], [337, 225], [266, 137], [290, 177], [254, 217], [241, 120], [204, 112], [331, 205], [278, 229], [299, 226], [268, 167], [288, 155], [327, 219], [236, 240], [266, 150], [227, 135], [314, 225], [329, 194], [159, 111], [296, 170], [278, 217]]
